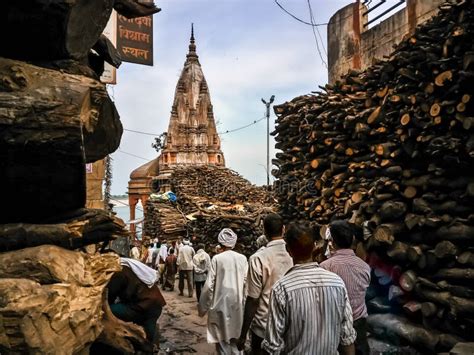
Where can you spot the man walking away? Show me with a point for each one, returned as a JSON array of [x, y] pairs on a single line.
[[149, 257], [309, 308], [202, 262], [356, 275], [223, 295], [160, 260], [171, 268], [266, 267], [185, 264]]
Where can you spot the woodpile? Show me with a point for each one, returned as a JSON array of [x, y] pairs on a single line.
[[215, 183], [166, 223], [210, 198], [55, 116], [392, 149]]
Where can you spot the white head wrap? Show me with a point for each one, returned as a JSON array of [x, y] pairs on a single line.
[[261, 241], [227, 238], [186, 242], [328, 235]]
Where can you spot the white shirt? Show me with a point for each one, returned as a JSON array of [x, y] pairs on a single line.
[[223, 296], [185, 258], [202, 262], [135, 253], [149, 258], [162, 254], [266, 267]]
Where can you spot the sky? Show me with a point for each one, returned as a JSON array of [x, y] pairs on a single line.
[[248, 50]]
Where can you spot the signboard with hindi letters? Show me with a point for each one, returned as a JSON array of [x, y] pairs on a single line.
[[135, 39]]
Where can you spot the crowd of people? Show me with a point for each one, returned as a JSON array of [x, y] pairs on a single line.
[[281, 298]]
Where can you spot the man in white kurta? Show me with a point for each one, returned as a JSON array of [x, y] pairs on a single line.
[[223, 295]]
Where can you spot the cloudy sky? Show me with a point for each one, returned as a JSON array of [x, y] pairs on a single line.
[[248, 49]]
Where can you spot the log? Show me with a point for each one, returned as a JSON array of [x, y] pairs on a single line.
[[392, 210], [135, 8], [374, 115], [457, 231], [464, 275], [48, 318], [466, 259], [53, 156], [443, 77], [53, 30], [428, 309], [409, 192], [398, 252], [48, 264], [385, 233], [391, 326], [63, 313], [462, 349], [97, 226], [445, 249], [408, 280]]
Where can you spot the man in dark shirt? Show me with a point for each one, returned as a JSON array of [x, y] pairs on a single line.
[[134, 295]]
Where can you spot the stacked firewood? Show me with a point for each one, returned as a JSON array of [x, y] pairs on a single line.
[[210, 198], [56, 116], [392, 149], [215, 183], [165, 222]]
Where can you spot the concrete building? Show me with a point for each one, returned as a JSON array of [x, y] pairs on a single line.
[[352, 45], [191, 139]]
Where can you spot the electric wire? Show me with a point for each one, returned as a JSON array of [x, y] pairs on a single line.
[[140, 132], [220, 133], [240, 128], [133, 155], [298, 19], [315, 36]]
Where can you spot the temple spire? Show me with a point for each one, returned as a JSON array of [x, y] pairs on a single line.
[[192, 45]]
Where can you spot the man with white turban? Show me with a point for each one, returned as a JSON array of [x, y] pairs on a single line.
[[223, 295]]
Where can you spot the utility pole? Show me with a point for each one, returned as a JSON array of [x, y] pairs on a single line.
[[267, 104]]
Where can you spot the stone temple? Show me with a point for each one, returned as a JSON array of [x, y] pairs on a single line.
[[192, 137]]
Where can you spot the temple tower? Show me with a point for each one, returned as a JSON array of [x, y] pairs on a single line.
[[192, 137]]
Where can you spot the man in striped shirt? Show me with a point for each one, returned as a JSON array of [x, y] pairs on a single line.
[[356, 276], [309, 309]]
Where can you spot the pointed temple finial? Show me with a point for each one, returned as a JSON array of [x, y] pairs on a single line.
[[192, 45]]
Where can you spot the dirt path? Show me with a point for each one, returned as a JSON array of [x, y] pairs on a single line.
[[182, 331]]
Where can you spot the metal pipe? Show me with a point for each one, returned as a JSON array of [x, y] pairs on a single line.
[[385, 12], [374, 7]]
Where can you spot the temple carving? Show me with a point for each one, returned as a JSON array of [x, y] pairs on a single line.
[[191, 139]]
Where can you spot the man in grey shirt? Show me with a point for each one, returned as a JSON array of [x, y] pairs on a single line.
[[185, 264]]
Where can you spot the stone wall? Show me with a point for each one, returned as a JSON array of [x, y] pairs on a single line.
[[351, 45]]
